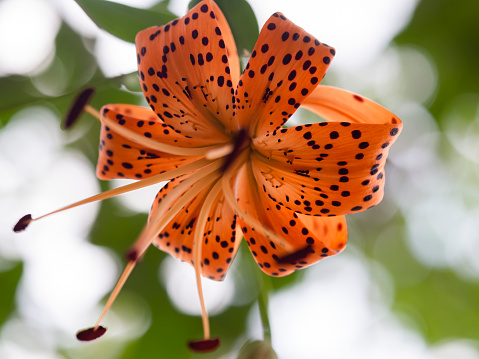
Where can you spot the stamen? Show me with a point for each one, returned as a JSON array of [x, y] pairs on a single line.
[[164, 214], [93, 111], [197, 247], [26, 220], [92, 333], [77, 107], [155, 145], [131, 255], [204, 345], [250, 220], [148, 234], [23, 223], [97, 331]]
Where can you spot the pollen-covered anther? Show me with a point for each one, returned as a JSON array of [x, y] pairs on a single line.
[[23, 223], [292, 258], [204, 345], [92, 333]]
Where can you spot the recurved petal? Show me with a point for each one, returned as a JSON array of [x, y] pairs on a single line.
[[329, 168], [121, 157], [220, 240], [308, 238], [285, 66], [188, 69], [334, 104]]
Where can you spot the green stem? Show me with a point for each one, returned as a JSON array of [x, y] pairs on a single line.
[[265, 284]]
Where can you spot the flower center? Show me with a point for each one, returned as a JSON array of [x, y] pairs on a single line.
[[241, 142]]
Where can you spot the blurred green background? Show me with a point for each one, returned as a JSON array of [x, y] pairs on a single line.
[[407, 286]]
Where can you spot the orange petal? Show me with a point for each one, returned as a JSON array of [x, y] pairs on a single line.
[[188, 70], [329, 168], [336, 175], [120, 157], [285, 66], [337, 105], [312, 238], [220, 241]]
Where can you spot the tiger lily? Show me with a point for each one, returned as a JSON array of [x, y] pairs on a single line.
[[218, 136]]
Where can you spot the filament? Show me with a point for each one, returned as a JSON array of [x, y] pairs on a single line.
[[250, 220], [136, 185], [197, 247], [148, 234], [119, 285], [92, 111], [160, 219]]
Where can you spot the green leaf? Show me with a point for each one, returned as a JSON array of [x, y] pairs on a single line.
[[69, 72], [15, 91], [9, 280], [444, 304], [124, 21], [160, 6], [242, 21]]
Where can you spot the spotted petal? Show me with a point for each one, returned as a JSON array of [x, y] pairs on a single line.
[[308, 238], [329, 168], [188, 69], [220, 239], [121, 157], [285, 66]]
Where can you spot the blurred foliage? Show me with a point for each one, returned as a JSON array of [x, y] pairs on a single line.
[[9, 280], [442, 299], [124, 21], [445, 31]]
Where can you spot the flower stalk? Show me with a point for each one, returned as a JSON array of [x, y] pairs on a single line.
[[263, 301]]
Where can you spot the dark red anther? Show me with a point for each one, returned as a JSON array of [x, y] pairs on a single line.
[[77, 106], [292, 258], [23, 223], [204, 345], [90, 334], [132, 255]]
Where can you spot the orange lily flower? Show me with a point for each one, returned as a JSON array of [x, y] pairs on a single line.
[[234, 170]]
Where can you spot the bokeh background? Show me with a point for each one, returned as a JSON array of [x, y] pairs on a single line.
[[407, 286]]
